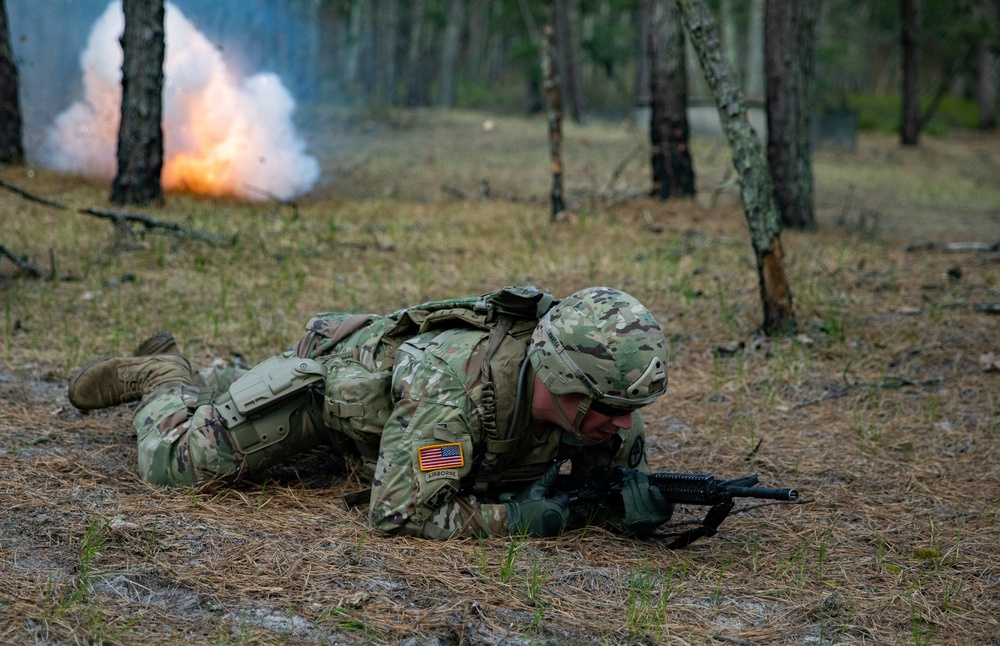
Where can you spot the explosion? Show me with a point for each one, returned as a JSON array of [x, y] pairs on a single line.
[[220, 136]]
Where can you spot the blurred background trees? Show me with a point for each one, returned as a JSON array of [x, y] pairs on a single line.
[[484, 53]]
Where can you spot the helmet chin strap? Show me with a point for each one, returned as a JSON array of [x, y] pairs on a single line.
[[574, 426]]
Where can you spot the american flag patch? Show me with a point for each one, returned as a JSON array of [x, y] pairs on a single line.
[[441, 456]]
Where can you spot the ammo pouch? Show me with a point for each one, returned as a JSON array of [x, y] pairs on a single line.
[[268, 404], [357, 403]]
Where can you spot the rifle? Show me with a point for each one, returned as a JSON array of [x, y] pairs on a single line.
[[604, 487]]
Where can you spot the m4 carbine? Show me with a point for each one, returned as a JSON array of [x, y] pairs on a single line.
[[604, 487]]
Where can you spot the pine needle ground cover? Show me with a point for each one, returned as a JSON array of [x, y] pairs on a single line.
[[882, 410]]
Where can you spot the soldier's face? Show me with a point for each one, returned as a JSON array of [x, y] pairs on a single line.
[[561, 410], [600, 427]]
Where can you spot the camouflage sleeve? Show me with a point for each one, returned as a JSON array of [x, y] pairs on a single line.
[[425, 451]]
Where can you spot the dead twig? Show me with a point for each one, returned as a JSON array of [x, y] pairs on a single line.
[[26, 266], [34, 198], [124, 220], [840, 391]]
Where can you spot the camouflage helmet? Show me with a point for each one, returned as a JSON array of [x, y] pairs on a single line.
[[604, 344]]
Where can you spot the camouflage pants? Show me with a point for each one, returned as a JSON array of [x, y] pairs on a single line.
[[182, 442]]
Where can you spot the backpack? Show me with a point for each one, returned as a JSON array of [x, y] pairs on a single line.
[[358, 400]]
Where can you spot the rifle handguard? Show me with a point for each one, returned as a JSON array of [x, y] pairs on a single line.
[[704, 489]]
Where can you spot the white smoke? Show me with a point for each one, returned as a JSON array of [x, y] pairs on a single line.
[[220, 136]]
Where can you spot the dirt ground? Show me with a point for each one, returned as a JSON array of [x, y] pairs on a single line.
[[884, 411]]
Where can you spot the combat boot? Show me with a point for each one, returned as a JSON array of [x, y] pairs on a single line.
[[159, 343], [109, 382]]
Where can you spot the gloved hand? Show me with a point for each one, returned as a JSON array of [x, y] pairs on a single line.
[[645, 507], [534, 513]]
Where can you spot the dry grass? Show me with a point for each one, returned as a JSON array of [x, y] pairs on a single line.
[[880, 411]]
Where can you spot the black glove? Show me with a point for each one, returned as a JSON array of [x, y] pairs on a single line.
[[534, 513], [645, 507]]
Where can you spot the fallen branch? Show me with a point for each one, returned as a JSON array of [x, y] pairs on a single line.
[[124, 220], [34, 198], [953, 247], [889, 383], [26, 266]]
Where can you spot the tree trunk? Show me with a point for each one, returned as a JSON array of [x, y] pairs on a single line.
[[790, 55], [669, 132], [910, 130], [551, 75], [567, 27], [140, 133], [11, 126], [387, 30], [988, 62], [416, 74], [451, 49], [751, 169]]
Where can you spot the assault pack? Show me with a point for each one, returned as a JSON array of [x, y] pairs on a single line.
[[354, 372]]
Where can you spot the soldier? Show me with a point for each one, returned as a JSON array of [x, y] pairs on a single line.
[[450, 408]]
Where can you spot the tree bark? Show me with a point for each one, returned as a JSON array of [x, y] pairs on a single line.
[[551, 75], [11, 124], [567, 27], [910, 130], [790, 61], [451, 49], [751, 169], [669, 131], [987, 64], [140, 133]]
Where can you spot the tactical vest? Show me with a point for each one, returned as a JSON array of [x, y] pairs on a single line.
[[359, 351]]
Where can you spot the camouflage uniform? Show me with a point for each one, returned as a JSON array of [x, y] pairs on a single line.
[[423, 446]]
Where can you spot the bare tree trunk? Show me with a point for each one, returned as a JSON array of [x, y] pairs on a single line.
[[416, 76], [140, 133], [497, 51], [450, 52], [567, 27], [751, 169], [910, 130], [790, 56], [11, 125], [551, 75], [988, 64], [669, 131]]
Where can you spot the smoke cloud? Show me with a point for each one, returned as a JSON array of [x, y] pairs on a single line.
[[222, 136]]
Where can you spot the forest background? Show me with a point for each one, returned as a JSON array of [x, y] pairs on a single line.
[[882, 409]]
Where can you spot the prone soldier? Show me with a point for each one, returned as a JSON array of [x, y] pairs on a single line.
[[460, 412]]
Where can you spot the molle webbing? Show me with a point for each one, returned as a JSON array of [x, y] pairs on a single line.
[[494, 445]]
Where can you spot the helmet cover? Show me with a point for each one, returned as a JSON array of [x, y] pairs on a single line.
[[604, 344]]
